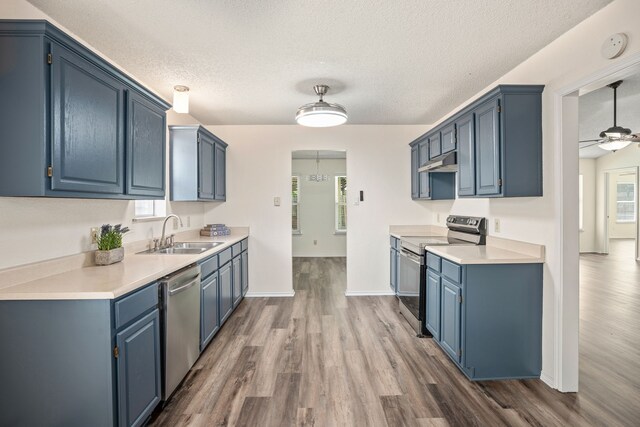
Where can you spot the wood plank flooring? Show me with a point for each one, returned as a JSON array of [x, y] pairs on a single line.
[[322, 359]]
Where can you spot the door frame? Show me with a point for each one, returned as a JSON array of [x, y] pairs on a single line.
[[566, 171]]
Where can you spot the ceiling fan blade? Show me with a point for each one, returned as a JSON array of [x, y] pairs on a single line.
[[589, 140], [595, 142]]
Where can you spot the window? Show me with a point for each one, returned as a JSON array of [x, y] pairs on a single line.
[[295, 199], [341, 203], [150, 208], [581, 202], [626, 202]]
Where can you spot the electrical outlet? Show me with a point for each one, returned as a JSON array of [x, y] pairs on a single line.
[[95, 231], [276, 201], [315, 242], [188, 221], [438, 217], [175, 223], [496, 225]]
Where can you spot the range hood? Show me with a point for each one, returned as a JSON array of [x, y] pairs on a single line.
[[447, 162]]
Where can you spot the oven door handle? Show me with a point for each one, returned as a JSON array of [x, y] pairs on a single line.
[[411, 256]]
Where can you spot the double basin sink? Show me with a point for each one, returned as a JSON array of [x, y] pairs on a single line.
[[184, 248]]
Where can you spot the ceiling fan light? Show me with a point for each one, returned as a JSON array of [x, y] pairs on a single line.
[[615, 132], [321, 114], [614, 145]]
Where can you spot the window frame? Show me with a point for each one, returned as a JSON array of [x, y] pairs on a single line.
[[632, 202], [338, 203], [159, 210], [295, 203]]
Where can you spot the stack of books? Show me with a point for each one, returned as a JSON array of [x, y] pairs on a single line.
[[212, 230]]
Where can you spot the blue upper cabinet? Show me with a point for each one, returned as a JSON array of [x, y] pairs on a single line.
[[466, 155], [425, 185], [488, 177], [73, 128], [87, 150], [146, 148], [448, 138], [423, 150], [415, 178], [435, 148], [198, 164]]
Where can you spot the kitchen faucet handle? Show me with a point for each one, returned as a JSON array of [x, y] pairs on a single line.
[[156, 244], [170, 240]]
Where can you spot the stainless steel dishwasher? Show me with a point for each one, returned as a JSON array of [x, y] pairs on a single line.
[[181, 321]]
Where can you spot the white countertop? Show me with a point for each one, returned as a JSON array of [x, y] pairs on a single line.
[[115, 280], [496, 251]]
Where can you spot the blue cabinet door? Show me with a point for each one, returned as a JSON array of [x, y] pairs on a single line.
[[448, 142], [488, 148], [206, 148], [245, 272], [226, 292], [138, 366], [209, 306], [415, 185], [87, 145], [432, 319], [146, 134], [237, 280], [423, 149], [434, 145], [466, 155], [393, 267], [450, 319], [220, 172]]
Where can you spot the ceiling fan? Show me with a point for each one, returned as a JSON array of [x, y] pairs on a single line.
[[616, 137]]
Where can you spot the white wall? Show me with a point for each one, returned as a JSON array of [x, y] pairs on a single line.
[[259, 169], [36, 229], [588, 232], [619, 230], [316, 207]]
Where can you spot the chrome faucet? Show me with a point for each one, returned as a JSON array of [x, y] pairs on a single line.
[[163, 240]]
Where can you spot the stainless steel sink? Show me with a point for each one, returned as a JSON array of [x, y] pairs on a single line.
[[184, 248]]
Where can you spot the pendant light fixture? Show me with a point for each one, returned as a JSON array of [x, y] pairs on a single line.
[[321, 113], [181, 99], [317, 177]]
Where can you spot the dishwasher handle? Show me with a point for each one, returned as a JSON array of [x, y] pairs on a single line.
[[195, 279]]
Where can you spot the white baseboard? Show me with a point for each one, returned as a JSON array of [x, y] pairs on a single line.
[[367, 293], [548, 380], [269, 294]]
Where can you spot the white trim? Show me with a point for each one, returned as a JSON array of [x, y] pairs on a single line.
[[270, 294], [563, 379], [547, 379], [367, 293]]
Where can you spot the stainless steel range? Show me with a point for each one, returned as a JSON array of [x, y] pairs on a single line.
[[462, 230]]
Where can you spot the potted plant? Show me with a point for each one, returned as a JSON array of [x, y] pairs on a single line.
[[110, 248]]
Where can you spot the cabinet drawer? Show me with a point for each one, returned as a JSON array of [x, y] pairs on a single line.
[[433, 262], [394, 242], [224, 257], [236, 249], [208, 266], [132, 306], [451, 271], [245, 244]]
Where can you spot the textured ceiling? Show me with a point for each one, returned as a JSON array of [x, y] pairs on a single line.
[[595, 111], [255, 62]]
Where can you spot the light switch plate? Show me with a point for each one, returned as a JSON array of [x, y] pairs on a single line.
[[276, 201]]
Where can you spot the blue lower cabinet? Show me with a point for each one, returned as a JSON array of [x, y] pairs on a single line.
[[245, 272], [450, 319], [138, 366], [487, 317], [432, 311], [226, 291], [210, 313], [237, 280]]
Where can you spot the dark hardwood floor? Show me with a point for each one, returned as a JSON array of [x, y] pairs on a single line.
[[323, 359]]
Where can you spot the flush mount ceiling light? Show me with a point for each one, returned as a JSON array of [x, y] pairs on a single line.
[[321, 114], [181, 99], [616, 137]]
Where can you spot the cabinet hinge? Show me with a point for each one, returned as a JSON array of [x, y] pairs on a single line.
[[49, 59], [499, 108], [460, 299], [116, 352], [50, 171], [500, 182], [459, 353]]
